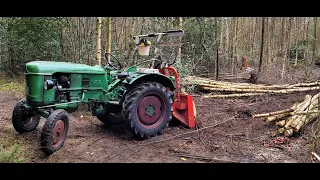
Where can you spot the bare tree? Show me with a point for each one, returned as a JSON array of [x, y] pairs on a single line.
[[261, 47], [98, 46], [108, 45], [314, 44], [217, 47]]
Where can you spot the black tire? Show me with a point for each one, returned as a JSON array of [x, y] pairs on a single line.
[[57, 121], [23, 121], [138, 103], [111, 118]]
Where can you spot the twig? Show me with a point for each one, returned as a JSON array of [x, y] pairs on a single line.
[[200, 129], [196, 157], [95, 141], [172, 137], [264, 157], [206, 158], [316, 155]]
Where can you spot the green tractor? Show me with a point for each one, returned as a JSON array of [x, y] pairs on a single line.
[[145, 98]]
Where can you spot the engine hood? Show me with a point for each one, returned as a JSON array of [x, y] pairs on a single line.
[[51, 67]]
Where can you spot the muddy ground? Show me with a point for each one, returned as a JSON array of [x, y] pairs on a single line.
[[239, 138]]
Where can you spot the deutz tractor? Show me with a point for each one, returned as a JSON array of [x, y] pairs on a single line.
[[145, 98]]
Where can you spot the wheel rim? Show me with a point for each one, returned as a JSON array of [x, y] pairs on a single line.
[[58, 133], [30, 119], [150, 109]]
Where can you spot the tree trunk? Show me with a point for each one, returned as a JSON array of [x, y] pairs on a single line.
[[85, 41], [271, 43], [296, 43], [267, 41], [305, 54], [232, 44], [254, 26], [217, 47], [235, 57], [282, 36], [179, 51], [98, 45], [283, 49], [11, 50], [62, 43], [289, 42], [261, 47], [79, 39], [314, 40], [108, 45]]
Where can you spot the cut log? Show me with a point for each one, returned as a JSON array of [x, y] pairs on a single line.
[[288, 124], [276, 117], [304, 121], [305, 108], [281, 130], [304, 84], [232, 95], [275, 112], [283, 91], [302, 113], [198, 80], [288, 132], [281, 123], [316, 156], [229, 85]]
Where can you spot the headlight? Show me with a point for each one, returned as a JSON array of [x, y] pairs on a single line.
[[48, 84]]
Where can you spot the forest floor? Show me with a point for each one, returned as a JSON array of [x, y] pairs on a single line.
[[238, 137]]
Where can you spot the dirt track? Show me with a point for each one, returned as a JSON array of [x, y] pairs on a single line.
[[238, 140]]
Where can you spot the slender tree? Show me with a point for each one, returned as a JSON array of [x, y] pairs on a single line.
[[98, 44], [108, 42], [261, 46], [217, 47]]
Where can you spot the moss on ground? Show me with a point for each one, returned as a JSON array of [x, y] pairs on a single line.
[[11, 151], [12, 85]]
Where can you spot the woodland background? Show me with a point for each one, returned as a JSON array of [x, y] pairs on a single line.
[[272, 45]]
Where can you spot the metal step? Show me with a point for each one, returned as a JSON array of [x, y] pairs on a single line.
[[113, 102]]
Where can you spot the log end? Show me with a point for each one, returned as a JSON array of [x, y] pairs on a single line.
[[288, 132]]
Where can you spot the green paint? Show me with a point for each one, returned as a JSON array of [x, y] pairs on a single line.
[[150, 110], [34, 87], [93, 85], [44, 113], [51, 67]]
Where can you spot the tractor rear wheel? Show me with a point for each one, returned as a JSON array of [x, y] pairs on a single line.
[[111, 118], [22, 120], [54, 131], [148, 109]]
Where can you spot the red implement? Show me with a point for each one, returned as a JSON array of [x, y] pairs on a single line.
[[183, 105]]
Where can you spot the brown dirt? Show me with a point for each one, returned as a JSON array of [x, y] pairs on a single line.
[[238, 140]]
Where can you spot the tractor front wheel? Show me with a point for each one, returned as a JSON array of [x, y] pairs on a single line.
[[22, 120], [54, 131], [148, 109]]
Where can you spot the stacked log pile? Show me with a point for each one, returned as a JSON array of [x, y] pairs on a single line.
[[222, 89], [288, 121], [292, 120]]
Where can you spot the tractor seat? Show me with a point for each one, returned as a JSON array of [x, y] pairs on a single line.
[[123, 75]]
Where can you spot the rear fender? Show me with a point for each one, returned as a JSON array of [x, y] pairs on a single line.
[[159, 78]]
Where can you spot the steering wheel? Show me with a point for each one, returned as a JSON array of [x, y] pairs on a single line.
[[109, 64]]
